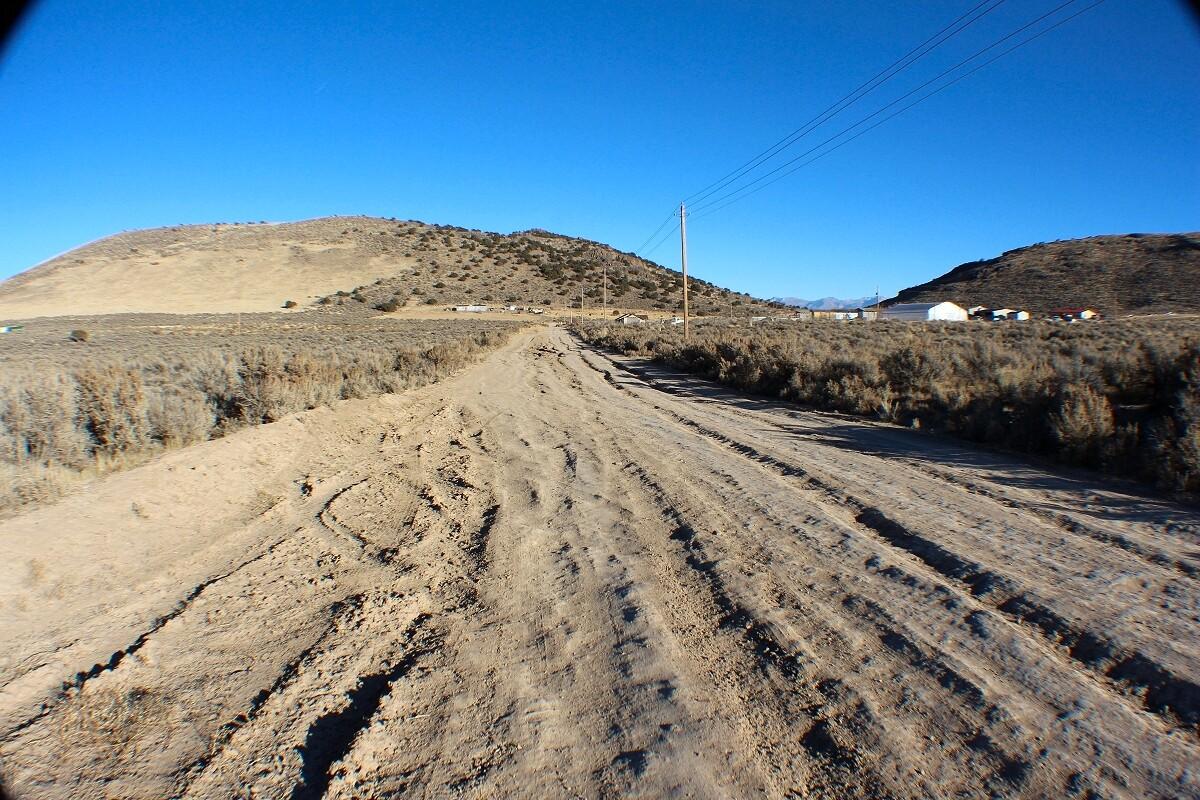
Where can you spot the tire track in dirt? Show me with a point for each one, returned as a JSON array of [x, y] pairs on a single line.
[[1155, 687], [830, 722], [1146, 552], [1160, 691], [326, 738], [337, 611], [829, 711], [83, 676], [543, 578], [332, 736], [1149, 552], [827, 493]]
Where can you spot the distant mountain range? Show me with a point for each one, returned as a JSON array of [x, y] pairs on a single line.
[[826, 302]]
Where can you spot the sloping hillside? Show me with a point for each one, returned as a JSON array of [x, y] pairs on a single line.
[[345, 263], [1131, 274]]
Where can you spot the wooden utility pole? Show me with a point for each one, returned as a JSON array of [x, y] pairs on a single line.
[[683, 248]]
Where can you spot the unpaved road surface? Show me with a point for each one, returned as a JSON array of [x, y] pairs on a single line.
[[551, 576]]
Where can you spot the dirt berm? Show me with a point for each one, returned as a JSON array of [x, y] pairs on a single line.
[[552, 576]]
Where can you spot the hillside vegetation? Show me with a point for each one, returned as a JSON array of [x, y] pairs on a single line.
[[1131, 274], [346, 263], [1119, 396]]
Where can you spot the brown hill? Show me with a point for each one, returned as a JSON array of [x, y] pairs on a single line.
[[1132, 274], [344, 263]]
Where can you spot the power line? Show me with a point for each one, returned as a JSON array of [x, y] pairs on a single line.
[[660, 242], [902, 63], [742, 190], [889, 72], [650, 238], [899, 111]]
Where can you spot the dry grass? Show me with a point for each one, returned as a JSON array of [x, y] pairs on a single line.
[[1121, 396], [71, 410]]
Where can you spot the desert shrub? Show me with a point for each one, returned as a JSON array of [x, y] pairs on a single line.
[[389, 305], [290, 304], [39, 421], [179, 416], [1082, 424], [112, 406], [262, 385], [79, 335]]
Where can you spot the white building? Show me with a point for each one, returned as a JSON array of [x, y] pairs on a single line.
[[924, 312], [474, 309], [629, 319]]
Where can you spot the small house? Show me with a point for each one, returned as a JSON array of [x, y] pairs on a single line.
[[629, 319], [471, 309], [925, 312], [1009, 313]]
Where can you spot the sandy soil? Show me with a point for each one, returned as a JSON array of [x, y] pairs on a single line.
[[559, 575]]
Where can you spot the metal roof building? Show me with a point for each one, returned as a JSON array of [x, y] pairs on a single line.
[[924, 312]]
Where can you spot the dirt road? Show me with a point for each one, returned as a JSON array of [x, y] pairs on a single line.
[[552, 577]]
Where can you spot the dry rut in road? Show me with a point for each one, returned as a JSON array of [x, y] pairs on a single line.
[[553, 576]]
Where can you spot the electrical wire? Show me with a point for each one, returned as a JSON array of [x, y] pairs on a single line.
[[895, 68], [650, 238], [742, 190], [896, 113], [660, 242]]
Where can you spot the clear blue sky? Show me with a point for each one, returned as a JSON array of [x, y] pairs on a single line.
[[593, 119]]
